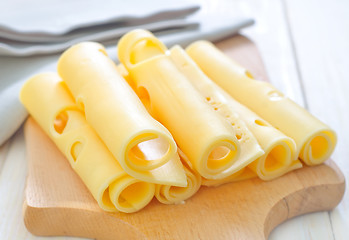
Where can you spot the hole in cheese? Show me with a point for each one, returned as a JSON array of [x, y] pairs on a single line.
[[319, 147], [76, 149], [275, 158], [60, 122], [238, 136], [260, 122], [248, 74], [133, 195]]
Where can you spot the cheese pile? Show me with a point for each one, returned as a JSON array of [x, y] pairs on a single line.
[[164, 122]]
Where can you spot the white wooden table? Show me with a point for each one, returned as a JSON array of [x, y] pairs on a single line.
[[305, 47]]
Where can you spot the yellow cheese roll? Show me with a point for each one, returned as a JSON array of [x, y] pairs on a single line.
[[48, 100], [174, 195], [140, 143], [202, 134], [278, 152], [315, 141]]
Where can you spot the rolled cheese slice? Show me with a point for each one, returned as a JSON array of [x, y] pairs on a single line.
[[278, 152], [205, 137], [168, 194], [47, 99], [117, 115], [175, 195], [250, 149], [315, 141], [280, 155]]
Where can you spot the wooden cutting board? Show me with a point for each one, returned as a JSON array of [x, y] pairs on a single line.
[[58, 204]]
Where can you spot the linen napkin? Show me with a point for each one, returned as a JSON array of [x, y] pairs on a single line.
[[41, 26]]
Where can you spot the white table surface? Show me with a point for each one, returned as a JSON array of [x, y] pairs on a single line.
[[305, 48]]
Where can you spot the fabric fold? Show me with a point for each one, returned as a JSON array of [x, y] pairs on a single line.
[[37, 30], [28, 19]]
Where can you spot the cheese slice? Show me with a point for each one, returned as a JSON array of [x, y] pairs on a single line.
[[263, 166], [220, 102], [175, 195], [140, 143], [241, 175], [278, 152], [315, 140], [205, 137], [47, 99], [248, 173], [168, 194]]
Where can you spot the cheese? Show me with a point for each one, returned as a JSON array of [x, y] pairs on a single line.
[[241, 175], [144, 148], [168, 194], [205, 137], [278, 154], [315, 141], [175, 195], [280, 150], [220, 102], [47, 99], [248, 173]]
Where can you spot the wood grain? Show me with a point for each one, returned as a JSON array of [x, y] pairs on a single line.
[[57, 202]]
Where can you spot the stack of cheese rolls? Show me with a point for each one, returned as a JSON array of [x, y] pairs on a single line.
[[166, 121]]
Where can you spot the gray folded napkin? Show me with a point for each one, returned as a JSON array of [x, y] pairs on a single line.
[[57, 17], [15, 71], [56, 25]]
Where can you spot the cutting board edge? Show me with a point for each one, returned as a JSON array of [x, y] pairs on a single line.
[[308, 200], [46, 225]]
